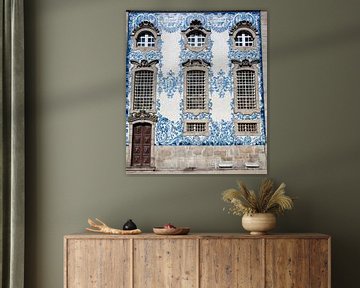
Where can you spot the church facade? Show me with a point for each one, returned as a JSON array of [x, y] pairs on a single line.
[[196, 92]]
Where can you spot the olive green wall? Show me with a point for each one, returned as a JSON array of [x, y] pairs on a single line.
[[75, 84]]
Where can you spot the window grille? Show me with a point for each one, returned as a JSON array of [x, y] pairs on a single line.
[[195, 127], [195, 89], [145, 39], [247, 127], [196, 39], [244, 39], [143, 89], [246, 92]]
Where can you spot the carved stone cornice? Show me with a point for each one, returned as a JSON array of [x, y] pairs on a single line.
[[146, 25], [245, 62], [144, 63], [196, 25], [242, 24], [142, 115], [196, 63]]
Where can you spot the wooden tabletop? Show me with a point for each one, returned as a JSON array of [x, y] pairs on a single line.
[[88, 235]]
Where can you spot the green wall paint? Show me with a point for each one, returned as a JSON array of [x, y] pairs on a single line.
[[75, 85]]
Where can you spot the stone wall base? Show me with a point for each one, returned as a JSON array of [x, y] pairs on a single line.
[[207, 158]]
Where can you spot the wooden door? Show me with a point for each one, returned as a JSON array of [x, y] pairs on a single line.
[[297, 263], [231, 263], [165, 263], [141, 145], [320, 263], [98, 263], [287, 263]]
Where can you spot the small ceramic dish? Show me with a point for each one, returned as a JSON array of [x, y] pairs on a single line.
[[171, 231]]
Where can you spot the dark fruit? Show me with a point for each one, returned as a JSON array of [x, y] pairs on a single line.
[[129, 225]]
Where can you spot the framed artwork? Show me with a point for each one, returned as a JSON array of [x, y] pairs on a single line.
[[196, 92]]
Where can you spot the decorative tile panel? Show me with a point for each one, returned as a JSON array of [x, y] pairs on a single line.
[[170, 81]]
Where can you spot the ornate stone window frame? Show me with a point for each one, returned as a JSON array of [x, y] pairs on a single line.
[[240, 133], [145, 26], [196, 26], [244, 26], [246, 65], [197, 133], [197, 65], [144, 65]]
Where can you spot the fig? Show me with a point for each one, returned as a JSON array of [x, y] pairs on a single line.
[[169, 226]]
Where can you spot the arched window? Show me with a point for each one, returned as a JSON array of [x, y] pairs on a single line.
[[196, 39], [246, 98], [145, 36], [145, 39], [196, 86], [243, 35], [195, 90], [244, 39], [144, 85], [245, 92], [196, 36], [143, 90]]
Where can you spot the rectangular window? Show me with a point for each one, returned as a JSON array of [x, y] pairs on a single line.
[[195, 90], [195, 127], [143, 90], [247, 128], [246, 90]]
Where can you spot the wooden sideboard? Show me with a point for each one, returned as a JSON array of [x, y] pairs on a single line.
[[197, 261]]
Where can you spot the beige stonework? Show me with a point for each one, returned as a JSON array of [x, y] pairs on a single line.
[[208, 158], [201, 159]]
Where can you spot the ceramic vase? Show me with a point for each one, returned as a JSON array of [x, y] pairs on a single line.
[[259, 223]]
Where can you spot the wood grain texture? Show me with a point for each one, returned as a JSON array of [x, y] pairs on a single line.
[[88, 235], [287, 263], [197, 260], [169, 263], [319, 263], [98, 264], [231, 263]]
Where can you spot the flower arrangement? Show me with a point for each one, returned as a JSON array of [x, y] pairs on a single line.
[[246, 202]]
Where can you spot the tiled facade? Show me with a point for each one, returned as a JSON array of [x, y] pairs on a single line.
[[168, 59]]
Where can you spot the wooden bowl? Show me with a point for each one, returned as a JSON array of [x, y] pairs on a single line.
[[171, 231]]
